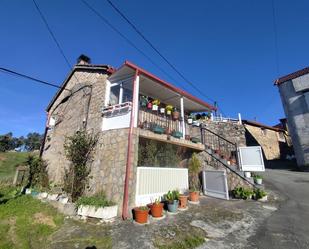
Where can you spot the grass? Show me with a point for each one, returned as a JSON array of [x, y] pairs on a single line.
[[188, 242], [98, 200], [8, 163], [26, 222]]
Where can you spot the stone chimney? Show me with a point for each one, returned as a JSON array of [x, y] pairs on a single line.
[[83, 60]]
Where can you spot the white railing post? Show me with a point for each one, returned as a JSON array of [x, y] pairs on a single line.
[[136, 104], [182, 113]]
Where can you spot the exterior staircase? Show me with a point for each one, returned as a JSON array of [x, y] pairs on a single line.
[[223, 152]]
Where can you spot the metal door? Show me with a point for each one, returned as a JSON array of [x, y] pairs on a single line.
[[215, 184], [251, 158]]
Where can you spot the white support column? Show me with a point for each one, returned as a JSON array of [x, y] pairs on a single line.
[[120, 94], [182, 113], [136, 104], [239, 118], [107, 93]]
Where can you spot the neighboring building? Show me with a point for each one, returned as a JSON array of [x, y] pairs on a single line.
[[294, 92], [113, 104], [275, 141]]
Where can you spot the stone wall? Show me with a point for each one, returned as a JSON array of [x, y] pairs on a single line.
[[110, 155], [267, 139], [233, 132], [233, 180], [295, 99]]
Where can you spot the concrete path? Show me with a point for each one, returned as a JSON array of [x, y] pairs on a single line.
[[288, 227]]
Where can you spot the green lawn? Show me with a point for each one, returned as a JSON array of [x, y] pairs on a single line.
[[8, 163], [26, 222]]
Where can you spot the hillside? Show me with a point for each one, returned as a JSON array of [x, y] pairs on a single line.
[[8, 163]]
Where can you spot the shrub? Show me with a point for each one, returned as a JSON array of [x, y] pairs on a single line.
[[242, 193], [37, 171], [98, 200], [194, 170], [78, 149], [259, 194]]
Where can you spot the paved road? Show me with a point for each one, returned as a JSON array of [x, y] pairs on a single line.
[[288, 227]]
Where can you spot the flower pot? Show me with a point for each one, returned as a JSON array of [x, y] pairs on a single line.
[[195, 140], [172, 207], [141, 215], [177, 134], [155, 107], [156, 209], [175, 115], [259, 181], [194, 196], [183, 199], [168, 112], [190, 120], [248, 174], [149, 105], [162, 110]]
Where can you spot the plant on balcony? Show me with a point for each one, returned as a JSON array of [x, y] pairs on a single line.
[[190, 118], [194, 182], [143, 101], [195, 140], [169, 109], [162, 110], [175, 114], [157, 129], [155, 104], [177, 134], [149, 104]]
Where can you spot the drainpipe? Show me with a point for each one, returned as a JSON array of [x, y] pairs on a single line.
[[130, 145]]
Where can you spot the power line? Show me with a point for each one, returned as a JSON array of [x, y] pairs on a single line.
[[126, 39], [52, 34], [11, 72], [275, 36], [157, 51]]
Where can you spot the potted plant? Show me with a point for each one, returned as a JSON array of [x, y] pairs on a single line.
[[190, 119], [149, 105], [172, 201], [194, 169], [157, 129], [183, 199], [175, 114], [258, 179], [242, 193], [162, 110], [247, 174], [141, 214], [169, 109], [143, 101], [195, 140], [260, 194], [156, 208], [155, 104], [177, 134]]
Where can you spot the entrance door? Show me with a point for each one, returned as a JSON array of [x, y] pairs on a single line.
[[215, 184]]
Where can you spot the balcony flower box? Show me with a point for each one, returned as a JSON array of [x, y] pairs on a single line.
[[104, 213], [195, 140], [158, 129]]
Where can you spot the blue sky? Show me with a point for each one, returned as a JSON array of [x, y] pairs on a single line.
[[226, 48]]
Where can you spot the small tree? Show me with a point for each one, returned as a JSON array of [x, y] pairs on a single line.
[[194, 170], [38, 175], [78, 149]]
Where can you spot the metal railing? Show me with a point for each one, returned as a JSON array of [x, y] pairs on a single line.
[[219, 145]]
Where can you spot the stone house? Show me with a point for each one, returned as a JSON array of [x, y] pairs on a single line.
[[275, 141], [111, 104], [294, 92]]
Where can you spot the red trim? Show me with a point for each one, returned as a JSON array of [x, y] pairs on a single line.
[[170, 86], [129, 152], [292, 76]]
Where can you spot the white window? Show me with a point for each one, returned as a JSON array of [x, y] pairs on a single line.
[[52, 121], [120, 93]]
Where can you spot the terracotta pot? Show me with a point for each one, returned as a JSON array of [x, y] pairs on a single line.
[[141, 216], [156, 209], [183, 199], [175, 115], [194, 196]]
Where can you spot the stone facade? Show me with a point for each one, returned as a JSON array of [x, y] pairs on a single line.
[[295, 99], [233, 180], [81, 107]]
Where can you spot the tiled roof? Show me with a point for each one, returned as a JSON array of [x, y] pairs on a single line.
[[292, 76]]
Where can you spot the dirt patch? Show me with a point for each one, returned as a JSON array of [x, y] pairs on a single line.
[[2, 158], [44, 219]]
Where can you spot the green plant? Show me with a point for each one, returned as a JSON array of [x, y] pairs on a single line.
[[143, 208], [194, 169], [156, 102], [78, 149], [259, 194], [169, 108], [38, 175], [257, 177], [176, 194], [98, 200], [242, 193]]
